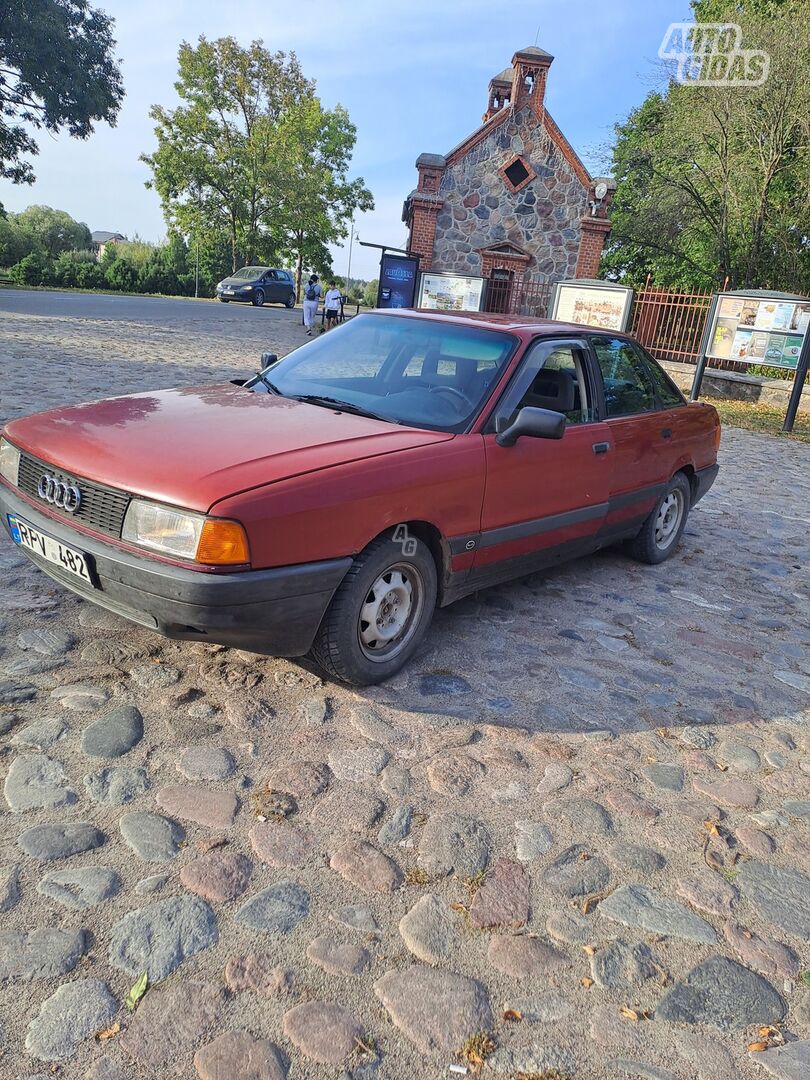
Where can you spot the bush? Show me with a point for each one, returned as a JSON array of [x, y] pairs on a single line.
[[121, 275], [71, 269], [31, 270]]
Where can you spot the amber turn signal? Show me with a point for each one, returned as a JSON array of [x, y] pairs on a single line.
[[222, 543]]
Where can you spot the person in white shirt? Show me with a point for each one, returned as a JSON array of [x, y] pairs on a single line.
[[312, 295], [331, 305]]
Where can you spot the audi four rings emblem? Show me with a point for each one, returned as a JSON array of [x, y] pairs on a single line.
[[59, 493]]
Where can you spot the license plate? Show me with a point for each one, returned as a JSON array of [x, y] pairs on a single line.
[[47, 548]]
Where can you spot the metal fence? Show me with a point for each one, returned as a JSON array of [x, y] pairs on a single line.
[[670, 324], [530, 298]]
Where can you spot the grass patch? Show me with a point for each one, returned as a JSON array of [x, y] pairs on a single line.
[[474, 883], [767, 419], [415, 875], [546, 1074], [477, 1049]]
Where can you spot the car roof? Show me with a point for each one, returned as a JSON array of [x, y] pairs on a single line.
[[491, 321]]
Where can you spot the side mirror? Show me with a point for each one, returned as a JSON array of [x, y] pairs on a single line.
[[267, 359], [536, 423]]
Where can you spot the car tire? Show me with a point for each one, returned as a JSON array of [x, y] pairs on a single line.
[[661, 533], [258, 298], [380, 612], [224, 300], [290, 301]]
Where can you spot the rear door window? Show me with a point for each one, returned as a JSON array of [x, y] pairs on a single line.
[[628, 383]]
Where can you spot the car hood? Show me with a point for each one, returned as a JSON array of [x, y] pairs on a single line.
[[196, 445], [238, 282]]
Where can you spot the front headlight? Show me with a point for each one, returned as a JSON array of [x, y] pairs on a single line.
[[187, 535], [9, 462]]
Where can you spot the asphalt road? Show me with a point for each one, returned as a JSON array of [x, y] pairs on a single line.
[[157, 309]]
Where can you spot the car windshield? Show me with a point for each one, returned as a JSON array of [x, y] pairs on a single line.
[[426, 373], [249, 273]]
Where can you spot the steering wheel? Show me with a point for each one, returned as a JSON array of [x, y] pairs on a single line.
[[452, 390]]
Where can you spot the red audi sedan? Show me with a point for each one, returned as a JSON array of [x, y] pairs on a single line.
[[329, 503]]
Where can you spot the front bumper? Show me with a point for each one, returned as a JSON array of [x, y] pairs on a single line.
[[276, 612], [247, 297]]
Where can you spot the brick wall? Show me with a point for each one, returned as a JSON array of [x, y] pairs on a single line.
[[592, 241]]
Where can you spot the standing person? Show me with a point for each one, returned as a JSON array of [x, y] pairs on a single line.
[[312, 295], [331, 305]]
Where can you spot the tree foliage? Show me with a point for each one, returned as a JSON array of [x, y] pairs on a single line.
[[251, 159], [319, 200], [42, 246], [42, 231], [57, 71], [713, 180]]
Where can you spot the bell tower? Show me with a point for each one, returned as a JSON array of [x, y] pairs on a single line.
[[529, 74]]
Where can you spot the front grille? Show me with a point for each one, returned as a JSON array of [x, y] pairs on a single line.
[[101, 509]]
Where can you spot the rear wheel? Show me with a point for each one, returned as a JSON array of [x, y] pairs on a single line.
[[290, 301], [258, 298], [661, 532], [379, 614]]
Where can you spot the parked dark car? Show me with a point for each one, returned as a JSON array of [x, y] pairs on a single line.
[[258, 285], [333, 501]]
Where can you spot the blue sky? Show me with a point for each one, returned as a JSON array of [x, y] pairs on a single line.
[[413, 76]]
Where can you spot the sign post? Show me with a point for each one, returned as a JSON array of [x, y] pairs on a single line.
[[756, 326], [802, 368]]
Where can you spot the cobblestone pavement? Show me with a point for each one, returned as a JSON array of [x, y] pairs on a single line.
[[578, 822]]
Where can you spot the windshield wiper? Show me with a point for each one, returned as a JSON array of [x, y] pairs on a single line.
[[344, 406], [270, 385]]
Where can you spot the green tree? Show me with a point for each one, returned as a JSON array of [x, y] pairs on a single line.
[[57, 71], [217, 166], [252, 159], [713, 180], [370, 293], [13, 245], [319, 200], [50, 232]]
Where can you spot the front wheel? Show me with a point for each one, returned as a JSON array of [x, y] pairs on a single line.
[[224, 300], [661, 532], [380, 612], [258, 298]]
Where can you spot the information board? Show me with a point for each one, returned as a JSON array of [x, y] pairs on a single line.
[[450, 292], [757, 330], [398, 275], [597, 303]]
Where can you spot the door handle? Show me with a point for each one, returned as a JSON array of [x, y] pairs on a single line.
[[601, 447], [666, 433]]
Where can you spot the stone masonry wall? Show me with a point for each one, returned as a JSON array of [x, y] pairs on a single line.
[[480, 208]]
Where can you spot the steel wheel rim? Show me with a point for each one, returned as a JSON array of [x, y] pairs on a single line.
[[390, 612], [668, 519]]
